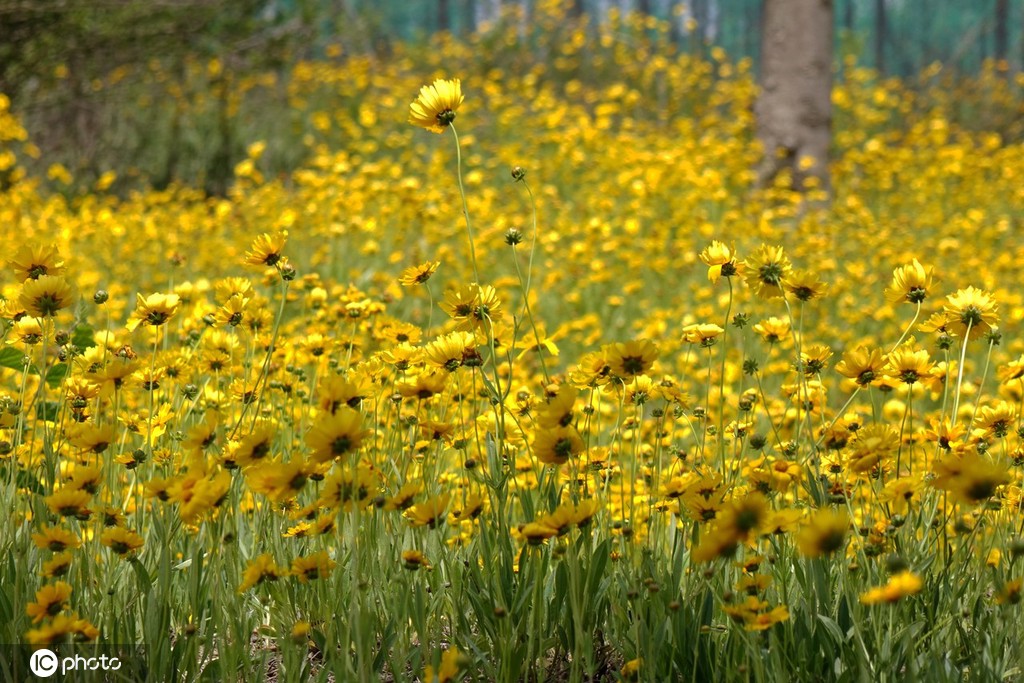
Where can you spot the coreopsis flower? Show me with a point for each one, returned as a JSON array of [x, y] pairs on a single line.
[[632, 358], [909, 365], [418, 275], [67, 502], [703, 334], [430, 512], [51, 600], [472, 306], [435, 107], [971, 478], [912, 283], [44, 296], [773, 329], [720, 260], [260, 569], [414, 560], [556, 445], [34, 261], [313, 567], [862, 365], [452, 351], [767, 271], [814, 358], [122, 541], [60, 629], [997, 420], [824, 533], [266, 250], [452, 662], [1010, 593], [27, 330], [899, 586], [333, 436], [279, 481], [630, 671], [55, 539], [972, 309], [870, 446], [348, 489], [805, 285], [154, 310], [536, 533], [57, 566]]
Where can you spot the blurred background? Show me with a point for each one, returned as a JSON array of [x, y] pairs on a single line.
[[114, 94]]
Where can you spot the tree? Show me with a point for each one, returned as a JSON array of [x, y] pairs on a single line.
[[881, 35], [794, 108]]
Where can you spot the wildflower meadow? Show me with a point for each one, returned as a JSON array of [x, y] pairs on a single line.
[[520, 376]]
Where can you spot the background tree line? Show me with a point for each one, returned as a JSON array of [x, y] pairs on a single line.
[[112, 83]]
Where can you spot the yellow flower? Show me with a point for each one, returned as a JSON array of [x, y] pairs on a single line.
[[768, 269], [414, 559], [824, 534], [436, 105], [34, 261], [720, 260], [266, 250], [45, 295], [315, 566], [703, 334], [632, 358], [971, 309], [121, 541], [418, 275], [155, 310], [260, 569], [51, 600], [911, 283], [333, 436], [899, 586], [861, 364]]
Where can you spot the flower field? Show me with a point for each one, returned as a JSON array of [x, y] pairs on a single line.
[[526, 381]]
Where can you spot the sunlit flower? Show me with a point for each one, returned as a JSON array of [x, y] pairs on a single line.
[[767, 270], [720, 260], [266, 250], [899, 586], [32, 261], [435, 107], [418, 275], [911, 283], [44, 296], [971, 309], [155, 310], [51, 600], [824, 533]]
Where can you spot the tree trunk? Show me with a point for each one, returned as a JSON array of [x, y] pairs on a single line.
[[576, 9], [443, 18], [881, 31], [1002, 29], [794, 108], [848, 16]]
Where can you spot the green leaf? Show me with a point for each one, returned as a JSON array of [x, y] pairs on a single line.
[[47, 410], [145, 582], [28, 481], [12, 358], [83, 336], [56, 374]]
